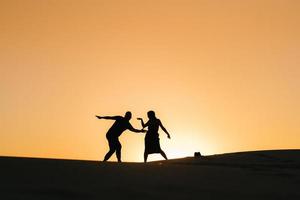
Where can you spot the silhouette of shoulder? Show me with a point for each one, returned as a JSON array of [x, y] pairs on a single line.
[[119, 117]]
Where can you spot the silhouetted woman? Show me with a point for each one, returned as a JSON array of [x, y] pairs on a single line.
[[152, 138]]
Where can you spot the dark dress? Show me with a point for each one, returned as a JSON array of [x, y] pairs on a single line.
[[152, 138]]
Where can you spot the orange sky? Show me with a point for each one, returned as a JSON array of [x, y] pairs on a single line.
[[222, 76]]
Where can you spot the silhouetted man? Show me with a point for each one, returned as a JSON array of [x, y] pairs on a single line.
[[121, 124]]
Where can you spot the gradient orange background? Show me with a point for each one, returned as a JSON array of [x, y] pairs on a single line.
[[222, 76]]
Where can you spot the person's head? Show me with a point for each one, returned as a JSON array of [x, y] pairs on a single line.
[[128, 115], [151, 114]]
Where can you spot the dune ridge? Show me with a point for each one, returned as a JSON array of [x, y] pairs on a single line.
[[273, 174]]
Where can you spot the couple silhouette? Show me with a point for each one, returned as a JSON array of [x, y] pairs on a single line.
[[122, 123]]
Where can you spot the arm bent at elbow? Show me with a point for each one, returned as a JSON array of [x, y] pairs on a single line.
[[142, 122], [136, 130]]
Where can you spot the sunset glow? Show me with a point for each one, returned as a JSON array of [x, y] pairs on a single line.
[[223, 76]]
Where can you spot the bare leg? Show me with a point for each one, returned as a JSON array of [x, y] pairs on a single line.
[[108, 155], [118, 152], [145, 157], [163, 154]]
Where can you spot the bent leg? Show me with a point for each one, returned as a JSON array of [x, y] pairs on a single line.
[[112, 149], [109, 154]]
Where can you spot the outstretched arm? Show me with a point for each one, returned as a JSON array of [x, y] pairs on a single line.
[[108, 117], [136, 130], [164, 129]]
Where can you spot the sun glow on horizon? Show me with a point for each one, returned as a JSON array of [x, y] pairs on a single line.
[[223, 76]]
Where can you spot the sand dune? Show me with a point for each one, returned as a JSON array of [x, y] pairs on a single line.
[[244, 175]]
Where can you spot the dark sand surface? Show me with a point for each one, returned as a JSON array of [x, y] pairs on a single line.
[[246, 175]]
